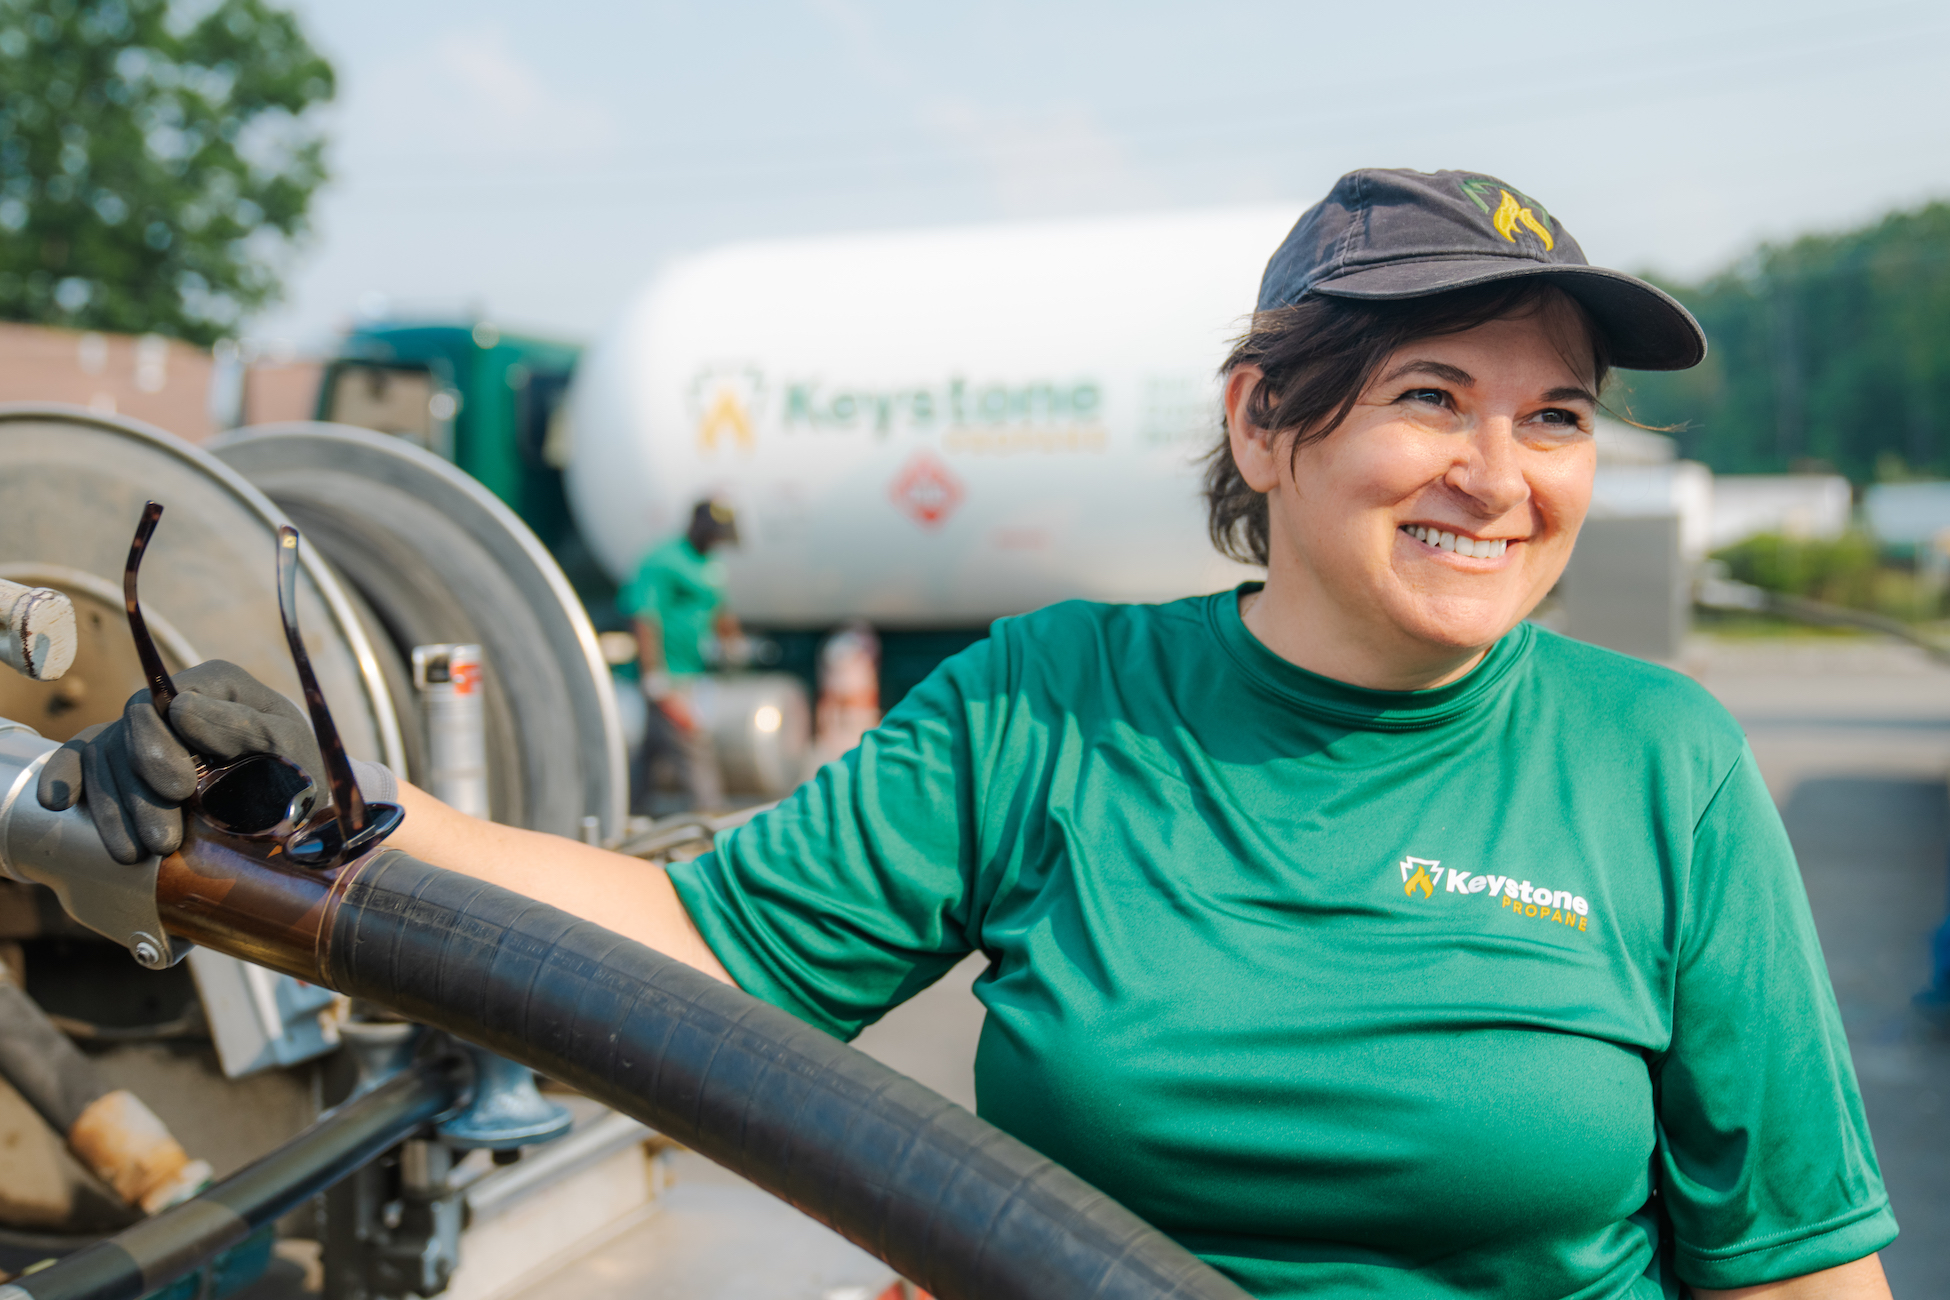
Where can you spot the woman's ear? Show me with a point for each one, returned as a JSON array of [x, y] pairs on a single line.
[[1254, 449]]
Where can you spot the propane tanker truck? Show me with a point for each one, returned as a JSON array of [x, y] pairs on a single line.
[[923, 431]]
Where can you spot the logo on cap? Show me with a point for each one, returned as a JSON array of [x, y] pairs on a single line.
[[1508, 212]]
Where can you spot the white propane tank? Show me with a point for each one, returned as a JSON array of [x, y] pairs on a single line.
[[927, 429]]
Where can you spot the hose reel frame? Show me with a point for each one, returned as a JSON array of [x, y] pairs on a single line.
[[430, 556]]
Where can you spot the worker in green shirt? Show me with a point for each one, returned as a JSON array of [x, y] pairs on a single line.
[[676, 605], [1366, 938]]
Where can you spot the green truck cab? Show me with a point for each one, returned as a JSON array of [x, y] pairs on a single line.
[[487, 401]]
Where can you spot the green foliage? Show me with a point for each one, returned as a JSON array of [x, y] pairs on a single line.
[[1834, 350], [1848, 570], [1839, 570], [151, 169]]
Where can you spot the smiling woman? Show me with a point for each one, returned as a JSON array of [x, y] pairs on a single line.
[[1411, 500], [1316, 357], [1362, 936]]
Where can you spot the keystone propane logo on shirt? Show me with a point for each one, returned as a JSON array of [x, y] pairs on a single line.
[[1519, 896]]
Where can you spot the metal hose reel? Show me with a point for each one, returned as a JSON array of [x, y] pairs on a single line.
[[74, 479], [403, 550], [431, 556]]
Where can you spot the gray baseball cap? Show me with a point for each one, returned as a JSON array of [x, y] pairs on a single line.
[[1387, 234]]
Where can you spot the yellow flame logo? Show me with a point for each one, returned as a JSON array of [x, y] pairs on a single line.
[[1510, 213], [727, 401], [1421, 877], [726, 417]]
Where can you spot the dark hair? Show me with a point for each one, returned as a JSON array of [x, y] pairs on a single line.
[[1320, 354], [712, 521]]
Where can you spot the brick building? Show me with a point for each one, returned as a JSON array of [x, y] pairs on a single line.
[[159, 381]]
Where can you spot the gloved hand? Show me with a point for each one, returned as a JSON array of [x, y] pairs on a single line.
[[134, 773]]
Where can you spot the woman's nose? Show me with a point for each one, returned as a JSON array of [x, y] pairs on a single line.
[[1488, 471]]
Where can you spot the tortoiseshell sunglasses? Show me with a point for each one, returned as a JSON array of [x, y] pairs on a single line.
[[262, 797]]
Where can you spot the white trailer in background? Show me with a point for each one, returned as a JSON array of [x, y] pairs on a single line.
[[1797, 505], [1909, 514], [927, 429]]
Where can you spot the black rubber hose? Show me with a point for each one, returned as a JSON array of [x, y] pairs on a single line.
[[949, 1201], [181, 1240], [43, 1066]]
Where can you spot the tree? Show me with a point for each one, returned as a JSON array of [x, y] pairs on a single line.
[[152, 170], [1834, 349]]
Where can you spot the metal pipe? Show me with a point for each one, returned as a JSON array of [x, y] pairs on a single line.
[[177, 1242], [109, 1130], [1715, 590], [63, 851], [37, 631], [686, 828], [453, 704], [1803, 610], [215, 891], [510, 1185], [44, 1067]]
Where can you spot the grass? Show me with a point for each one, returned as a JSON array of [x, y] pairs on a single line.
[[1737, 625]]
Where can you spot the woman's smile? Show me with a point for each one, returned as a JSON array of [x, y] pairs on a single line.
[[1458, 542]]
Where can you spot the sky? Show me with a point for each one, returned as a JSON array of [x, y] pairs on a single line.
[[536, 164]]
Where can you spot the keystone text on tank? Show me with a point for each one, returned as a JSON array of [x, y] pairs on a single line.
[[953, 404]]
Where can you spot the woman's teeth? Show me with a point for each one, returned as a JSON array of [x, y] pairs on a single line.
[[1476, 548]]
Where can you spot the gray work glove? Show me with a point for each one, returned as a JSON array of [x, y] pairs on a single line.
[[134, 773]]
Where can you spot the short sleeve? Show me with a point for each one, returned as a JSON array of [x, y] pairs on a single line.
[[1768, 1169], [639, 597], [854, 893]]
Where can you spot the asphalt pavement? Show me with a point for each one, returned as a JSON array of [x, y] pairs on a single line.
[[1854, 741]]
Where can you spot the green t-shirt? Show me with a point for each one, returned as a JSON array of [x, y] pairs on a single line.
[[1354, 993], [682, 590]]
